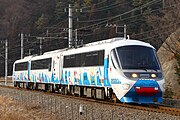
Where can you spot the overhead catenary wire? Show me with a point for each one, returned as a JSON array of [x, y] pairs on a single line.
[[136, 16], [158, 36], [126, 18], [105, 8], [170, 31], [153, 30], [129, 17], [95, 4], [117, 16], [133, 16], [92, 21]]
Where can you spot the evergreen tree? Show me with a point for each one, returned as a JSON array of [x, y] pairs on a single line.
[[41, 22]]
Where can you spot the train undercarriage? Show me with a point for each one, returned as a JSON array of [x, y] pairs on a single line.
[[103, 93]]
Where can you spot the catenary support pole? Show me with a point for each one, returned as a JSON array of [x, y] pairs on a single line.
[[70, 26], [40, 45], [125, 31], [22, 38], [76, 37], [6, 60]]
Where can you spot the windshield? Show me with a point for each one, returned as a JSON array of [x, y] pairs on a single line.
[[135, 57]]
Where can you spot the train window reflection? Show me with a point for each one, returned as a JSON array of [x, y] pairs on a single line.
[[94, 58], [137, 57], [21, 66]]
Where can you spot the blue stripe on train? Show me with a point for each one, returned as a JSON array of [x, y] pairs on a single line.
[[106, 76]]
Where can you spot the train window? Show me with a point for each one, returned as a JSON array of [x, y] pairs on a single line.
[[77, 60], [137, 57], [66, 61], [92, 59], [95, 58], [21, 66], [88, 59], [101, 57], [41, 64], [83, 61]]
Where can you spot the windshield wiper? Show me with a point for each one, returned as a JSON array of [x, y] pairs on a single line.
[[143, 68], [146, 69]]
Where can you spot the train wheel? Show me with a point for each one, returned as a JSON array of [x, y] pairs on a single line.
[[52, 88], [46, 87], [56, 88], [36, 86], [18, 84], [72, 90], [62, 90], [81, 93], [27, 85], [103, 93], [66, 90], [59, 89], [93, 93], [15, 84], [114, 98]]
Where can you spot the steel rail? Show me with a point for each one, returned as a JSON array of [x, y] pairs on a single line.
[[151, 108]]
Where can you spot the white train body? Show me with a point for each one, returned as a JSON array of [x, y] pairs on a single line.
[[127, 69]]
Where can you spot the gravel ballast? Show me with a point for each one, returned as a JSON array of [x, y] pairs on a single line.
[[39, 106]]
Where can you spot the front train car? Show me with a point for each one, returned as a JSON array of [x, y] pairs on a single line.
[[135, 73]]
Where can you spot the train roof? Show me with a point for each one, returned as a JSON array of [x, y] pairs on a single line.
[[99, 45], [113, 42], [56, 51], [121, 42], [25, 59], [44, 56], [106, 44]]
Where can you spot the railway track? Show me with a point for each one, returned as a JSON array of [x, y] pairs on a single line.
[[157, 108]]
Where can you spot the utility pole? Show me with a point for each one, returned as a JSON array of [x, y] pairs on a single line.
[[22, 38], [163, 4], [76, 37], [6, 60], [125, 31], [70, 26], [40, 45]]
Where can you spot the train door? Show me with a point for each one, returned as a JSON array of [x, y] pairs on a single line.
[[29, 70], [56, 68]]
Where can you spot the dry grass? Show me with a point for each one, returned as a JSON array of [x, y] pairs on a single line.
[[11, 110]]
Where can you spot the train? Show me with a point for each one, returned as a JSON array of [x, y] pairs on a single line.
[[118, 69]]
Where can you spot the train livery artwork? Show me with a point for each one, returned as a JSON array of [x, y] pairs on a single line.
[[117, 69]]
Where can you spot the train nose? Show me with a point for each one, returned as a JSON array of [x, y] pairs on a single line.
[[146, 91]]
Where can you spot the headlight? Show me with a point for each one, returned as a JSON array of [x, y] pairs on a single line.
[[131, 75], [126, 86], [153, 75], [143, 75], [134, 75]]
